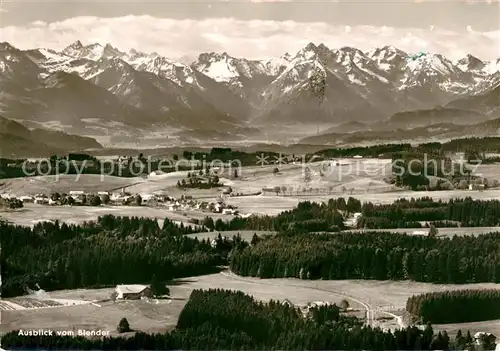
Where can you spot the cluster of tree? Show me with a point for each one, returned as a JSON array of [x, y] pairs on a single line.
[[458, 306], [86, 164], [372, 255], [234, 157], [467, 212], [368, 151], [307, 216], [219, 319], [11, 204], [85, 200], [199, 181], [413, 169], [64, 256]]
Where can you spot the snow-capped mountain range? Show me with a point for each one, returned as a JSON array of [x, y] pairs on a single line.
[[87, 83]]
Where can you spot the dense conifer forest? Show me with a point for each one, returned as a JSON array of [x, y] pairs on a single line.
[[378, 256], [455, 306], [465, 212], [62, 256], [229, 320], [306, 217]]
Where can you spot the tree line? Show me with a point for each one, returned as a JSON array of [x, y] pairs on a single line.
[[372, 255], [222, 319], [403, 212], [306, 217], [109, 251], [458, 306]]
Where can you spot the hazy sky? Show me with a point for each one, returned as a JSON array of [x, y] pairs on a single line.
[[256, 29]]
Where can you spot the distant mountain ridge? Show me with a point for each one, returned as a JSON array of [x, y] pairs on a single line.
[[19, 141], [99, 86]]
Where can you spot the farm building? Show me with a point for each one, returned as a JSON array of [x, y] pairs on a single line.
[[76, 193], [479, 336], [229, 211], [147, 198], [41, 200], [476, 186], [25, 199], [132, 292]]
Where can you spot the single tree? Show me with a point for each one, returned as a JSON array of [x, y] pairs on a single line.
[[277, 190], [433, 232], [459, 340], [138, 200], [123, 326], [276, 170], [344, 304], [468, 338], [159, 288], [106, 199], [95, 200], [255, 239]]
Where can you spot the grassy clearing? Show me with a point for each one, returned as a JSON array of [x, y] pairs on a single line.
[[32, 214], [152, 317], [63, 184]]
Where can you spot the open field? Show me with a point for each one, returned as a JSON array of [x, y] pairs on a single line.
[[271, 204], [33, 213], [443, 232], [380, 298], [63, 184], [362, 179]]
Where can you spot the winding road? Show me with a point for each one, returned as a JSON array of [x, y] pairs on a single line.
[[370, 310]]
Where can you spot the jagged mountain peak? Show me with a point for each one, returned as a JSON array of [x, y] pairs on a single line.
[[77, 45], [5, 46], [470, 62], [386, 54]]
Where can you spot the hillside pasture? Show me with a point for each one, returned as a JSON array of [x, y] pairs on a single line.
[[382, 298]]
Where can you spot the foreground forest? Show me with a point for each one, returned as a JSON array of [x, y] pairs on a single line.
[[61, 256], [229, 320]]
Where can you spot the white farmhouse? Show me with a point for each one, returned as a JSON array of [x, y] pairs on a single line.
[[25, 199], [132, 292]]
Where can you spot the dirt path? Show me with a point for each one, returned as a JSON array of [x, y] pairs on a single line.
[[370, 312]]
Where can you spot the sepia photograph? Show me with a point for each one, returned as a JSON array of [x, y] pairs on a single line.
[[250, 175]]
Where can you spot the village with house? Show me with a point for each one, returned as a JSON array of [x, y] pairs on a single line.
[[124, 198]]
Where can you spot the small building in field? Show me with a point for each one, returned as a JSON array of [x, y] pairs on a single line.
[[477, 186], [26, 199], [41, 200], [480, 336], [132, 292], [76, 193]]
